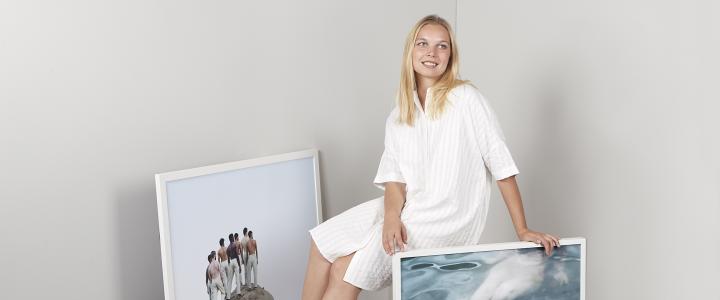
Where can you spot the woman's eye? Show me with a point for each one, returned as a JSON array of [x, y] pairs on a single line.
[[443, 46], [421, 44]]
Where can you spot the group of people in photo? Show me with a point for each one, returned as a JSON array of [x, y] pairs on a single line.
[[227, 265]]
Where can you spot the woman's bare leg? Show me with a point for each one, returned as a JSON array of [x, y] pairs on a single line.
[[317, 275], [337, 288]]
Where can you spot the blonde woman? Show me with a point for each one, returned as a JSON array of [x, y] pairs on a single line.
[[443, 147]]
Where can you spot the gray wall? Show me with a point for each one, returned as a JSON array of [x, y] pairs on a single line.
[[98, 96], [609, 110], [607, 107]]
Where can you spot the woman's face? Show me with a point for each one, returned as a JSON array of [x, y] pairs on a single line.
[[431, 52]]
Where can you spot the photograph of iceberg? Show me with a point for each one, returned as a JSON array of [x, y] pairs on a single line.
[[519, 274]]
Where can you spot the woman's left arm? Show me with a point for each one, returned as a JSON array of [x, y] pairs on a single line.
[[511, 194]]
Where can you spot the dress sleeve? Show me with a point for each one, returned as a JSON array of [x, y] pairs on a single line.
[[489, 137], [389, 169]]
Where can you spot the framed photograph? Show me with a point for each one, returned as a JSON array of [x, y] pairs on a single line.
[[518, 270], [277, 198]]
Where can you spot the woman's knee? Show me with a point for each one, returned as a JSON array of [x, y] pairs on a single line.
[[337, 287]]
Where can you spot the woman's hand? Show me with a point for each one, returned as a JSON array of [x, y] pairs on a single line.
[[544, 239], [511, 194], [394, 235]]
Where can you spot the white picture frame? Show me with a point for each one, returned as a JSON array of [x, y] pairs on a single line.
[[293, 175], [476, 272]]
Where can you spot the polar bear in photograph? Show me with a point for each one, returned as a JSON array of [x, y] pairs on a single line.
[[512, 276]]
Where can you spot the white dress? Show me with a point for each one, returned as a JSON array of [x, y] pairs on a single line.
[[447, 165]]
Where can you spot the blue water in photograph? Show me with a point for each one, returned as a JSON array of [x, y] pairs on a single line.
[[519, 274]]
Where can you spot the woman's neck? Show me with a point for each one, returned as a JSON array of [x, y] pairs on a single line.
[[422, 85]]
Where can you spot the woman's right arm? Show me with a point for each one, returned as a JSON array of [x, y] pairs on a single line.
[[394, 232]]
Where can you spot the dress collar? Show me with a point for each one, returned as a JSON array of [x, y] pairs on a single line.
[[416, 99]]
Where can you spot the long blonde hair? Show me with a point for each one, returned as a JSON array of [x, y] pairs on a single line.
[[440, 89]]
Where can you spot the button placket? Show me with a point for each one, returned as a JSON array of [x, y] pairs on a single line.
[[423, 125], [428, 99]]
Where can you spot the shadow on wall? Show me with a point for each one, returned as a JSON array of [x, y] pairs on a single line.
[[138, 243]]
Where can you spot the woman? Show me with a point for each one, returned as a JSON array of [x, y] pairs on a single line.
[[443, 145]]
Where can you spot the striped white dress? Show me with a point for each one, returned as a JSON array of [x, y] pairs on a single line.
[[447, 165]]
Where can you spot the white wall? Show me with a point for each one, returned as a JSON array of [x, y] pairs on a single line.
[[96, 97], [609, 108]]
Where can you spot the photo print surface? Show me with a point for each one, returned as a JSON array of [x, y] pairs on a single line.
[[276, 201], [518, 274]]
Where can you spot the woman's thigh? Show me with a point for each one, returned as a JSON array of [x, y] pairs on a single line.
[[337, 287]]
